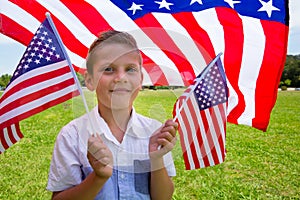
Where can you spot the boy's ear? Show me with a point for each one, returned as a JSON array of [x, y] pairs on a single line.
[[88, 79]]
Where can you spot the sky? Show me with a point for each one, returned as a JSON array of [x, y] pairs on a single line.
[[11, 51]]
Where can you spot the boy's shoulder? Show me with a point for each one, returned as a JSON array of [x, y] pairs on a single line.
[[76, 126]]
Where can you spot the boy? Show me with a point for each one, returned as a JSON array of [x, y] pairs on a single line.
[[129, 158]]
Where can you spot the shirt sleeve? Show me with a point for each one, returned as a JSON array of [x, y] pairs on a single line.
[[65, 168]]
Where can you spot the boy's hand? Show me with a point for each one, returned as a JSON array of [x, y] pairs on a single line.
[[163, 140], [100, 157]]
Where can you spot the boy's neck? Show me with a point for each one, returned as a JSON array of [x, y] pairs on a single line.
[[116, 120]]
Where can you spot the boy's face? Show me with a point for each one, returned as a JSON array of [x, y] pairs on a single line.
[[117, 76]]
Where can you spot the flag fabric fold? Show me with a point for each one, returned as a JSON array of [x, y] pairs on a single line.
[[201, 115], [41, 80], [177, 38]]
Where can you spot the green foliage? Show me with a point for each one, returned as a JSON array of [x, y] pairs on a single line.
[[284, 84], [291, 71], [4, 80], [258, 165], [80, 79]]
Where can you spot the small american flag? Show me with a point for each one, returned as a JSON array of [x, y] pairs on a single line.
[[201, 114], [41, 80]]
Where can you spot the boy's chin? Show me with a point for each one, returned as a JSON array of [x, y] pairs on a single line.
[[120, 105]]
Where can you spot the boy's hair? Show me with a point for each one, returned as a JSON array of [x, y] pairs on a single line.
[[110, 37]]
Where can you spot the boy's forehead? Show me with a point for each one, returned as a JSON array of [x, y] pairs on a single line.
[[113, 52]]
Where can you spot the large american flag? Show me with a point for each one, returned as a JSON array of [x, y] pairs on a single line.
[[177, 38], [41, 80], [201, 115]]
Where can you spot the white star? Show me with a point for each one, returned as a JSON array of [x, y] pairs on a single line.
[[134, 7], [164, 4], [29, 60], [37, 61], [268, 7], [194, 1]]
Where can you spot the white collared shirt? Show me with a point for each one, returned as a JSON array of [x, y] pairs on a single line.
[[130, 179]]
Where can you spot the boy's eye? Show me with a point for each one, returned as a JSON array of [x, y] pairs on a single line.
[[132, 69], [108, 69]]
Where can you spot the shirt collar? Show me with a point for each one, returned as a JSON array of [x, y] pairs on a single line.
[[140, 126], [101, 126], [135, 127]]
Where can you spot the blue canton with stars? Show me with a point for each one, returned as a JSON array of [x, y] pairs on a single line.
[[42, 50], [273, 10], [211, 90]]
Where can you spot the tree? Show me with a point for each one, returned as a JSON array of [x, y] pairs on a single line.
[[291, 71], [4, 80], [80, 79]]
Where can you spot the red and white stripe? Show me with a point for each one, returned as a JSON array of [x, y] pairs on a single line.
[[9, 136], [36, 91], [173, 51]]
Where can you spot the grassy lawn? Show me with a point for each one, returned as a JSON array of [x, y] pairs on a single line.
[[258, 165]]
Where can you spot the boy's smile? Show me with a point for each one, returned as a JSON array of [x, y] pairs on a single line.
[[120, 90]]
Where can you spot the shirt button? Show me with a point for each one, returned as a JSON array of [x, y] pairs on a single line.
[[122, 176]]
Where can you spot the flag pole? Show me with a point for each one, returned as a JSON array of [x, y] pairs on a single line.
[[195, 85], [71, 68]]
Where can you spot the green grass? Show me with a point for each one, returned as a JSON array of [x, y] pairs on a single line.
[[258, 165]]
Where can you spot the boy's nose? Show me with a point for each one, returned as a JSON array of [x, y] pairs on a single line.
[[120, 76]]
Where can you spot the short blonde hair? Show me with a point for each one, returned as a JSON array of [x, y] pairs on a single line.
[[110, 37]]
